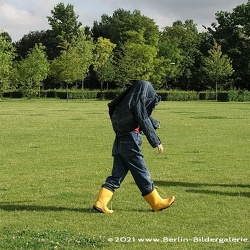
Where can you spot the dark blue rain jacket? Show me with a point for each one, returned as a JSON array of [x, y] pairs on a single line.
[[133, 108]]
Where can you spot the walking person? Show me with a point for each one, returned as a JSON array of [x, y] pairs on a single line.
[[130, 114]]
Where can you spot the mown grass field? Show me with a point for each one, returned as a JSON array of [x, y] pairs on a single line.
[[54, 156]]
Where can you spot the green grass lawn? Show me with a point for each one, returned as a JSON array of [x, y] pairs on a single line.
[[55, 155]]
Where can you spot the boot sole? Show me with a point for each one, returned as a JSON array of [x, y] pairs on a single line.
[[97, 209]]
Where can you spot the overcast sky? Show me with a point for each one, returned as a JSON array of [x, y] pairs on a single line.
[[18, 17]]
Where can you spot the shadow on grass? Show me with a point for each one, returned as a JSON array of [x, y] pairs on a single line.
[[18, 207], [238, 194], [204, 191], [31, 208], [195, 185]]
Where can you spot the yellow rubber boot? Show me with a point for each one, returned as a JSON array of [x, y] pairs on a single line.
[[157, 203], [102, 201]]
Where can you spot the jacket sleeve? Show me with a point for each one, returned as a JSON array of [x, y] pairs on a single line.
[[145, 123], [154, 122]]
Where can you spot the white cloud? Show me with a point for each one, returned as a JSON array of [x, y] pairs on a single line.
[[14, 16], [18, 17]]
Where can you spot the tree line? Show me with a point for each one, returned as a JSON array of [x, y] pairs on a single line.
[[128, 46]]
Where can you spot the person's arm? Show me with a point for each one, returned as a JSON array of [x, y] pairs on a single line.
[[154, 122], [156, 125], [145, 124]]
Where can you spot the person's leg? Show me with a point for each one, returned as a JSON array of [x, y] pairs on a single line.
[[119, 170], [140, 173], [118, 174], [131, 154], [113, 182], [133, 158]]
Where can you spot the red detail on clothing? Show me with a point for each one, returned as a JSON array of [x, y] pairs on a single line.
[[137, 130]]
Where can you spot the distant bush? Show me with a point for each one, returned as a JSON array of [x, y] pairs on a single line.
[[243, 96], [171, 95], [207, 95], [109, 95], [72, 94], [15, 94], [175, 95], [235, 96]]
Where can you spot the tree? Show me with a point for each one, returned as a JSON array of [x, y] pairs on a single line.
[[85, 47], [6, 36], [33, 70], [115, 27], [74, 61], [27, 42], [120, 28], [136, 60], [64, 24], [232, 32], [103, 60], [185, 34], [217, 65], [171, 60], [7, 54], [199, 80]]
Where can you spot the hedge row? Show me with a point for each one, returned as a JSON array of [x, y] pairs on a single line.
[[173, 95], [60, 94], [235, 96]]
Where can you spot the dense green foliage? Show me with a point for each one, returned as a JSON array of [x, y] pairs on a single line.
[[33, 70], [170, 95], [129, 45], [7, 54], [233, 34]]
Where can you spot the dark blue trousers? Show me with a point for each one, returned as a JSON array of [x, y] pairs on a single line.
[[128, 156]]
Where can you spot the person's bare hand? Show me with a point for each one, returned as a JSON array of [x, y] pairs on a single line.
[[160, 148]]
